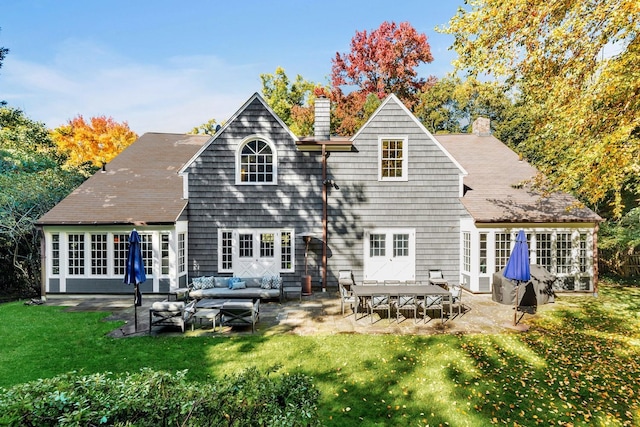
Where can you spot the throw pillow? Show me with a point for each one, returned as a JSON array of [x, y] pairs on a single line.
[[266, 282], [197, 283], [233, 280], [221, 282], [276, 282], [239, 285], [207, 282]]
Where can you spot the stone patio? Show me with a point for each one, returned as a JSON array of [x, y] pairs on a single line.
[[318, 313]]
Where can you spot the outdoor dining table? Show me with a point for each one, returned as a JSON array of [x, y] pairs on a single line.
[[420, 291]]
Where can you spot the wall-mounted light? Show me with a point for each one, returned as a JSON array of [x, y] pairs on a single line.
[[330, 183]]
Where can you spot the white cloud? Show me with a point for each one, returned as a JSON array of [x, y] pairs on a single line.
[[88, 79]]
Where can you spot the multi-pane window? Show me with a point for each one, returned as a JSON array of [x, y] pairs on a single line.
[[582, 253], [256, 162], [120, 248], [466, 251], [182, 253], [55, 253], [267, 245], [483, 253], [400, 245], [286, 258], [563, 253], [75, 253], [226, 250], [544, 250], [392, 158], [503, 250], [98, 254], [377, 245], [246, 245], [147, 253], [164, 253]]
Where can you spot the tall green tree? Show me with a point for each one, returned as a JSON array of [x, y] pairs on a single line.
[[575, 67], [292, 101], [32, 182]]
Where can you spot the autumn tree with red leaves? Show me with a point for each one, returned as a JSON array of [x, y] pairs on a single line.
[[94, 142], [380, 62]]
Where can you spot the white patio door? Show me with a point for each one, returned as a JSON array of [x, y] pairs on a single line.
[[389, 254], [256, 253]]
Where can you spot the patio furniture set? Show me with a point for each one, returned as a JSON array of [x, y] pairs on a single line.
[[222, 300], [406, 299]]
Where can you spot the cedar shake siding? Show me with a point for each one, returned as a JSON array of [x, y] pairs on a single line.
[[428, 201], [216, 201]]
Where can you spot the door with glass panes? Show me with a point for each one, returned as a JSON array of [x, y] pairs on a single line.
[[256, 255], [389, 254]]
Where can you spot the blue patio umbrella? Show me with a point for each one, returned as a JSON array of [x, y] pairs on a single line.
[[134, 271], [518, 268]]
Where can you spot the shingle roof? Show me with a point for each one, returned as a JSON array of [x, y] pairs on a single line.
[[140, 186], [495, 190]]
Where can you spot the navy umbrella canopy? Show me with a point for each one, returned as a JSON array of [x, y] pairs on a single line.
[[518, 268], [134, 272]]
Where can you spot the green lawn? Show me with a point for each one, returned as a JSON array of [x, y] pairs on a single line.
[[579, 364]]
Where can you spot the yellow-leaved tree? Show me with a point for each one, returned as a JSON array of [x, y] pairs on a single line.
[[96, 141], [575, 65]]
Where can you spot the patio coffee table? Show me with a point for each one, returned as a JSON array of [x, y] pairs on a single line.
[[211, 314]]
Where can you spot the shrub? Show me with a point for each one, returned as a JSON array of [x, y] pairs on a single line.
[[152, 398]]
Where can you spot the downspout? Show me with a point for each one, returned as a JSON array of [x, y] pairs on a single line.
[[43, 266], [324, 218]]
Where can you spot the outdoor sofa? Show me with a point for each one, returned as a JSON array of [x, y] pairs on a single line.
[[212, 287]]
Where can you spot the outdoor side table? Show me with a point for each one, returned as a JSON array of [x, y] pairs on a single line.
[[296, 290], [206, 313]]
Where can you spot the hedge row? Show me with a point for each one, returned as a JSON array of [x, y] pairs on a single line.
[[152, 398]]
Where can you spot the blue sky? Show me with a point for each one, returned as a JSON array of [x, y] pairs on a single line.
[[167, 66]]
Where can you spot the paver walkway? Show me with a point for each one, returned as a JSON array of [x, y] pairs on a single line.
[[318, 313]]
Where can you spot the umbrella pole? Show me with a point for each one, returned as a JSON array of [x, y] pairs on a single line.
[[515, 308], [135, 307]]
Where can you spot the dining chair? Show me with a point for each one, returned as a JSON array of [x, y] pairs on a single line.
[[345, 277], [456, 297], [406, 303], [430, 303], [348, 298], [392, 282], [437, 278], [369, 282], [380, 302]]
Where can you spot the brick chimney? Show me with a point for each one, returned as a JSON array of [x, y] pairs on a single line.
[[481, 126], [322, 124]]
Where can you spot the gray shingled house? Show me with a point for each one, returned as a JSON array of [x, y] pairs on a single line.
[[391, 202]]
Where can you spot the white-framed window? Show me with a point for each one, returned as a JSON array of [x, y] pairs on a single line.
[[503, 250], [466, 251], [55, 254], [400, 245], [226, 251], [75, 254], [393, 158], [120, 247], [146, 246], [377, 245], [99, 254], [563, 253], [544, 251], [256, 162], [255, 251], [164, 253], [483, 253], [182, 252], [583, 264], [286, 251]]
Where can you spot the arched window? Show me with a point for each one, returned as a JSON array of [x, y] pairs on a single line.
[[256, 163]]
